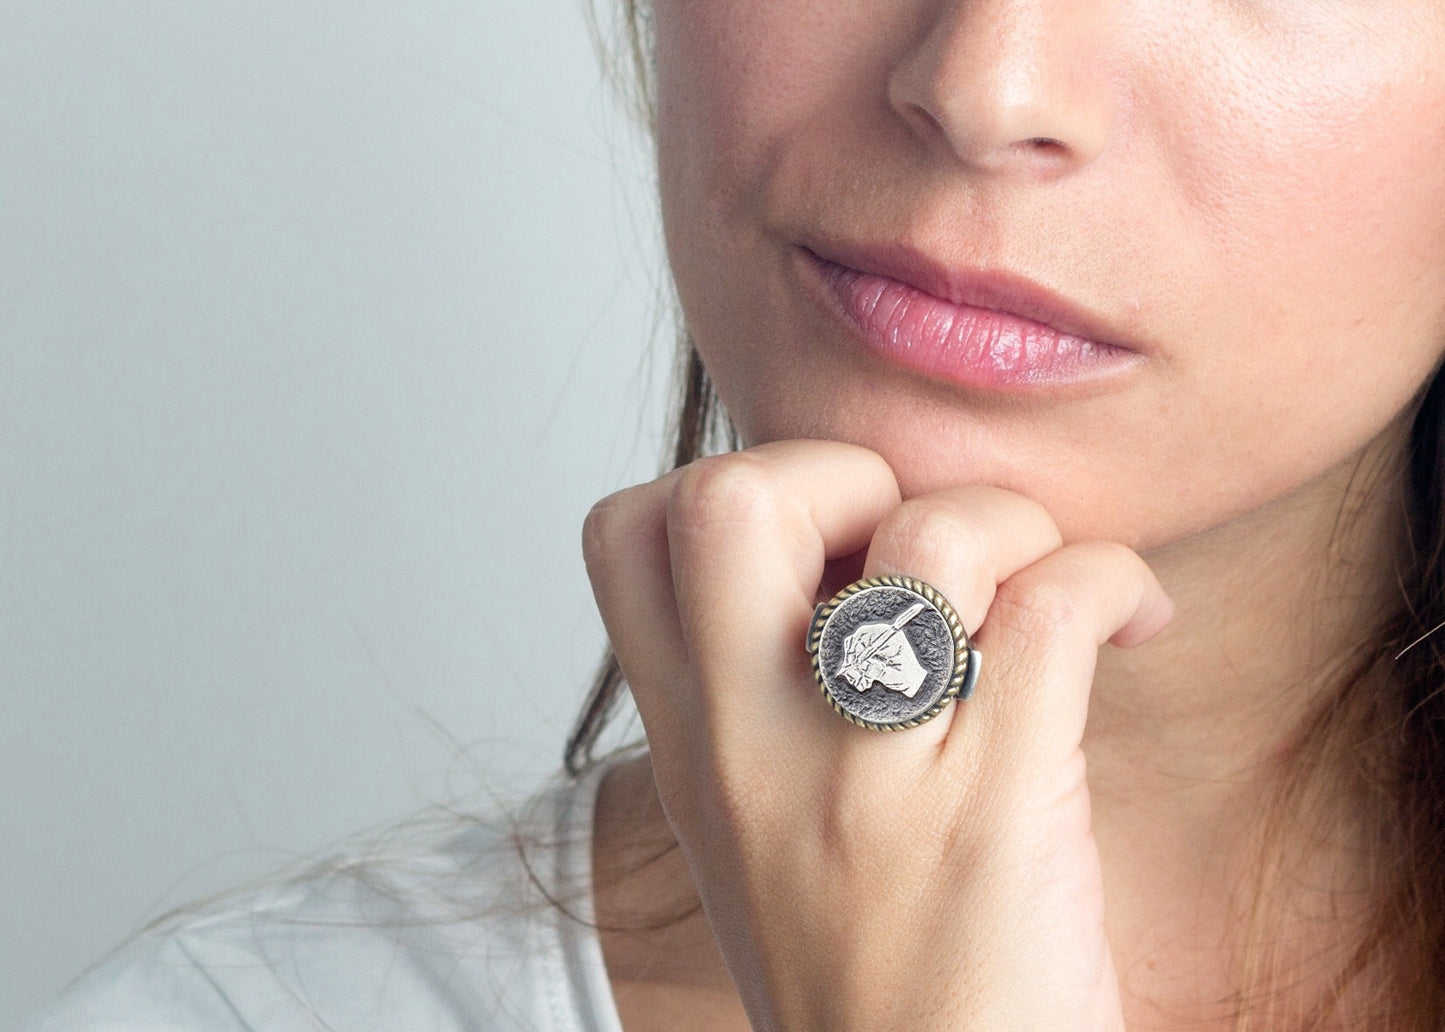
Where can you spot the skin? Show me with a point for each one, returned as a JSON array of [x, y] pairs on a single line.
[[1249, 193]]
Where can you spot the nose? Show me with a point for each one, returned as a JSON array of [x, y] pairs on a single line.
[[1009, 86]]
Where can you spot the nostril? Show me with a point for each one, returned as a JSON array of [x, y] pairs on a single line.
[[1042, 152], [927, 121]]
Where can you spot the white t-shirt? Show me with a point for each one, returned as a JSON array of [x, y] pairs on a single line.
[[438, 927]]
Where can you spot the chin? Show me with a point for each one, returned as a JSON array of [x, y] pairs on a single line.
[[926, 453]]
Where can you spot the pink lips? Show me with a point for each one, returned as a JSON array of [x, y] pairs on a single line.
[[998, 334]]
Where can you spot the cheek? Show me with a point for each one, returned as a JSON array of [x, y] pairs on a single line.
[[711, 61], [751, 94], [700, 66], [1307, 196], [738, 83], [1316, 196]]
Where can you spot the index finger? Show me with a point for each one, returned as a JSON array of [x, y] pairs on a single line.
[[748, 534]]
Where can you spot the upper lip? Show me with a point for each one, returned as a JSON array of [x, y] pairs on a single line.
[[997, 289]]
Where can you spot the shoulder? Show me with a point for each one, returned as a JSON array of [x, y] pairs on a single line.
[[448, 922]]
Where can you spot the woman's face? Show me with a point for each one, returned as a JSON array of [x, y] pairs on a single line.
[[1155, 263]]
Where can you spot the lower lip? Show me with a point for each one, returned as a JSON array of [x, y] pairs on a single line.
[[964, 345]]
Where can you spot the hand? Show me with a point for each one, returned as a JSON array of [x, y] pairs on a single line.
[[943, 877]]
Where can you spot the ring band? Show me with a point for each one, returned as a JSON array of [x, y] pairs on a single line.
[[890, 653]]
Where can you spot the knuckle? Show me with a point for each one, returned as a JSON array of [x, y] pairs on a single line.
[[1035, 607], [1111, 553], [721, 491], [1026, 511], [599, 529], [617, 530], [930, 536]]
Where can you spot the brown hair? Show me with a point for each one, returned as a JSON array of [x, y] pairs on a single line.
[[1387, 743], [1417, 735]]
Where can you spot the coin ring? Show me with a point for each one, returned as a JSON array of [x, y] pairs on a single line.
[[890, 653]]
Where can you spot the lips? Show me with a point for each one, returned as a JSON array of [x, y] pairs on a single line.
[[973, 328]]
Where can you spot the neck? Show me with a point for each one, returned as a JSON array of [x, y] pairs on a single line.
[[1204, 768], [1273, 610]]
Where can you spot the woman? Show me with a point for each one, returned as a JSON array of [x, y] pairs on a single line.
[[1114, 325]]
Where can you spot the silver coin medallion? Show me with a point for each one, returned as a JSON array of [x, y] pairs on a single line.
[[890, 653]]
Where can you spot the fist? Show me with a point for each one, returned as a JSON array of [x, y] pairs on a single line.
[[943, 877]]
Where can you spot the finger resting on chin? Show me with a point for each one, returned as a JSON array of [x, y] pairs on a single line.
[[1041, 639], [748, 534], [964, 541]]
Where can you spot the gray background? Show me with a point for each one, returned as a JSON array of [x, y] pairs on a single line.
[[323, 323]]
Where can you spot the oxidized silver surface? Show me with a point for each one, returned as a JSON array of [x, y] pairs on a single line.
[[890, 653]]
